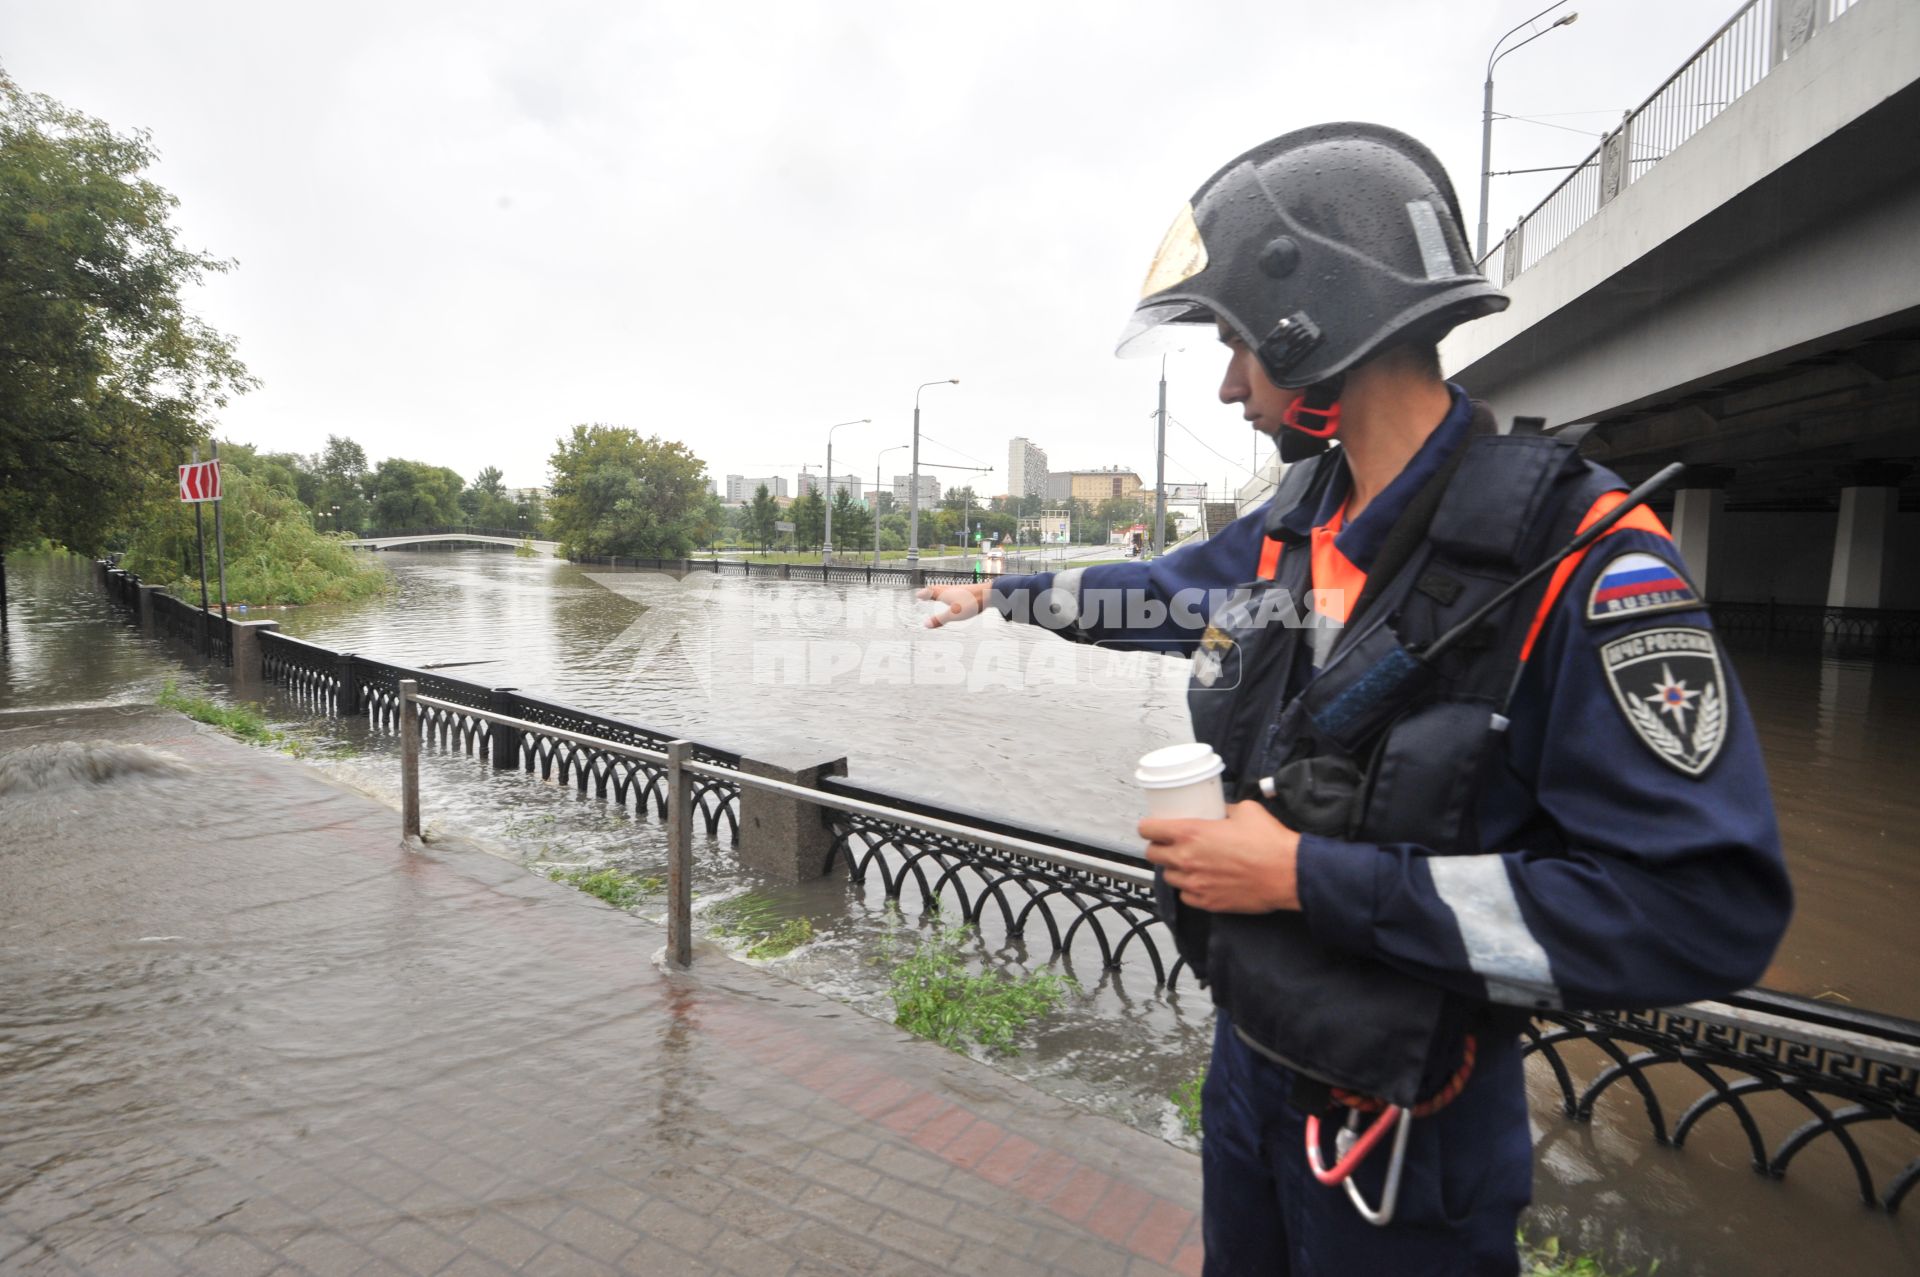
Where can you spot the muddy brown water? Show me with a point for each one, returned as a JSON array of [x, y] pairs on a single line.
[[1009, 721]]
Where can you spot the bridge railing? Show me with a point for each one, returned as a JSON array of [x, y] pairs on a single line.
[[1760, 35], [512, 534], [1783, 1072]]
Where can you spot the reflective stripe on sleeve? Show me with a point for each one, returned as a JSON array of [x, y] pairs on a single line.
[[1500, 947], [1058, 607]]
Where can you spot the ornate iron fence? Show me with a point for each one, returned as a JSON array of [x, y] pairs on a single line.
[[1830, 1069], [205, 631], [1878, 633], [845, 572], [1017, 896]]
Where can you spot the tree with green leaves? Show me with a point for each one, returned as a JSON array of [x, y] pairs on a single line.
[[809, 515], [341, 500], [107, 382], [412, 494], [486, 503], [615, 492], [763, 514], [274, 553], [852, 524]]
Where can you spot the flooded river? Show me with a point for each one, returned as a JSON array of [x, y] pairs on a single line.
[[1009, 721]]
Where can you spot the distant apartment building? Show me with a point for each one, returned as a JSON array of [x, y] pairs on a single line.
[[831, 488], [1092, 485], [806, 484], [1026, 469], [526, 496], [1054, 527], [740, 487], [929, 488]]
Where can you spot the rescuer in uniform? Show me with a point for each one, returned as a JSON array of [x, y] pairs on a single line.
[[1459, 793]]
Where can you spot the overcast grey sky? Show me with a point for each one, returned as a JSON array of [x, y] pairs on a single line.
[[462, 228]]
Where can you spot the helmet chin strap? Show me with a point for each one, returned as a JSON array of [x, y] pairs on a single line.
[[1321, 403], [1311, 419]]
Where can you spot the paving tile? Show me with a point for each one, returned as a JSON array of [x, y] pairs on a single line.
[[499, 1237]]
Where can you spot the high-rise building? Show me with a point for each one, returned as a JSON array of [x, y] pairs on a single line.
[[929, 489], [1026, 469], [847, 483], [740, 487]]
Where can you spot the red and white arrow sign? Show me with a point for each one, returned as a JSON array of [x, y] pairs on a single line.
[[200, 481]]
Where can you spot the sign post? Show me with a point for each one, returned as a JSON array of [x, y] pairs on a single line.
[[219, 535], [199, 484]]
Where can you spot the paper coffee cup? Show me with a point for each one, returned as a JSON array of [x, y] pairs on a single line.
[[1182, 782]]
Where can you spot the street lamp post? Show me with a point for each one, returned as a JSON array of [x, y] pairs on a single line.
[[898, 447], [1486, 110], [826, 549], [913, 487]]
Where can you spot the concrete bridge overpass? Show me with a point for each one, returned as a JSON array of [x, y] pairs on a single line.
[[1732, 280], [502, 537]]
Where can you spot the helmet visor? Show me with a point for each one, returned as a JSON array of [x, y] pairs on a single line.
[[1163, 328]]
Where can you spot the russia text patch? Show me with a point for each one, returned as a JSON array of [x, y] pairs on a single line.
[[1669, 686], [1635, 584]]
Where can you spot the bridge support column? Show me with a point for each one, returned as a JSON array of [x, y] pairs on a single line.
[[1699, 523], [1869, 497], [248, 666], [784, 838]]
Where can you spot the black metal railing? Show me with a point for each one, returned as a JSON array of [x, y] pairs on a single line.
[[845, 572], [1788, 1071], [1010, 897], [1878, 633], [205, 631]]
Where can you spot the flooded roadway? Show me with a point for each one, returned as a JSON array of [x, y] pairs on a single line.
[[748, 664]]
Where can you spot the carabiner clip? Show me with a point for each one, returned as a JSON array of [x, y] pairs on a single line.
[[1354, 1145]]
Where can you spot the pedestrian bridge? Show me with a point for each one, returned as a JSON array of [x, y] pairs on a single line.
[[440, 536]]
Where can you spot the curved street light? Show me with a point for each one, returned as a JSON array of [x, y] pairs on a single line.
[[898, 447], [1486, 110], [826, 548], [913, 490]]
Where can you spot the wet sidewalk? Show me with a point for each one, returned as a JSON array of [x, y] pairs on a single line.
[[244, 1032]]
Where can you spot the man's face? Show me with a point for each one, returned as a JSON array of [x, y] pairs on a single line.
[[1246, 383]]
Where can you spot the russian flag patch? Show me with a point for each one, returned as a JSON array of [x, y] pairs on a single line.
[[1637, 584]]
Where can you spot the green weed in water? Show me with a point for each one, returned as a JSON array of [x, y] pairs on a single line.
[[936, 995], [756, 919], [621, 890], [240, 721], [779, 943], [1186, 1102], [1543, 1259]]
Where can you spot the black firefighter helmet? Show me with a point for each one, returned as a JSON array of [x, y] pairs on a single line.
[[1320, 248]]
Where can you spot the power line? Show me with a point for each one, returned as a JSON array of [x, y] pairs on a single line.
[[1240, 465]]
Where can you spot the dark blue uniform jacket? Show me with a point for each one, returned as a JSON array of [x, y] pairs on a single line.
[[1627, 881]]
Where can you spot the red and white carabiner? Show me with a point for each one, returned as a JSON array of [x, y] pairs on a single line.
[[1351, 1146]]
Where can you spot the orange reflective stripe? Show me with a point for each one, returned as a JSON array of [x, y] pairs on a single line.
[[1336, 582], [1639, 518], [1270, 559]]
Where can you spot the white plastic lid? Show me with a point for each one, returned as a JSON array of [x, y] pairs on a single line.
[[1178, 765]]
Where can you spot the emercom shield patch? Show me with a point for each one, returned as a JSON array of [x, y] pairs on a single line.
[[1669, 686]]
